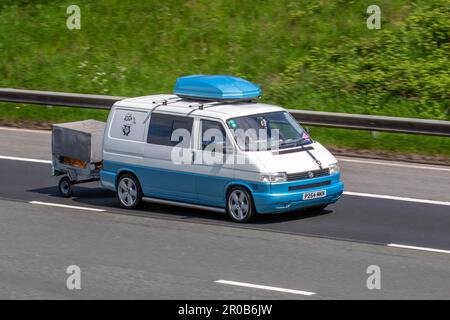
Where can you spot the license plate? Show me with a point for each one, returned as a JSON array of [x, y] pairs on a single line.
[[314, 194]]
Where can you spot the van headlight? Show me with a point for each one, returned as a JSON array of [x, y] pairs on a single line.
[[273, 177], [334, 168]]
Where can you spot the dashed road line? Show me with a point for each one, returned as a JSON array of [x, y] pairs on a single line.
[[25, 159], [257, 286], [417, 248], [25, 130], [50, 204], [383, 196], [394, 164]]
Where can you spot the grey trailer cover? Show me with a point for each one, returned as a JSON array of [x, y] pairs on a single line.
[[81, 140]]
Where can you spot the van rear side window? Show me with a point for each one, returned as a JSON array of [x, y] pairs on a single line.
[[162, 127], [128, 125]]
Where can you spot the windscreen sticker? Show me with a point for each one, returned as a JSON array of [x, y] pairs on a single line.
[[305, 136], [233, 123]]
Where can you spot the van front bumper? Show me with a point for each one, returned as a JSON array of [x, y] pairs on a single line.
[[274, 202]]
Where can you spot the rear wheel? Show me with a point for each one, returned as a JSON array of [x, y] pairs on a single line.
[[129, 191], [65, 187], [240, 206]]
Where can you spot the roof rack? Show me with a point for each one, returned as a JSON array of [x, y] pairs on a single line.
[[165, 101], [203, 105], [159, 103]]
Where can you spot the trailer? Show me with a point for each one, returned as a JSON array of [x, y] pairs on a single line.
[[77, 153]]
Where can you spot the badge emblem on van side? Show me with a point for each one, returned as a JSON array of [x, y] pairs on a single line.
[[129, 121], [310, 174], [126, 129]]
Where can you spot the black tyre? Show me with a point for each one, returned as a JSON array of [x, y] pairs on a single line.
[[65, 187], [129, 191], [240, 207]]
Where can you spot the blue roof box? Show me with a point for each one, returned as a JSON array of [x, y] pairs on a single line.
[[216, 87]]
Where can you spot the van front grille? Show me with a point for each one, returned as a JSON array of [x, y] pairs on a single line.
[[309, 185], [308, 174]]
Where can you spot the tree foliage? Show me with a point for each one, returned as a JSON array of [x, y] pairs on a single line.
[[409, 65]]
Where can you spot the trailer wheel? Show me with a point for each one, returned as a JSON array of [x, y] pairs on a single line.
[[65, 187]]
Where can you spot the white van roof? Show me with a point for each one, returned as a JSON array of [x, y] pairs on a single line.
[[213, 109]]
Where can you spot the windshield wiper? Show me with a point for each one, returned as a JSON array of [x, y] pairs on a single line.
[[292, 143]]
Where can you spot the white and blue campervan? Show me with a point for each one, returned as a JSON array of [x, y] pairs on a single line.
[[211, 145]]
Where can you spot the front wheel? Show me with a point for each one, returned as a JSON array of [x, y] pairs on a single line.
[[129, 191], [240, 206]]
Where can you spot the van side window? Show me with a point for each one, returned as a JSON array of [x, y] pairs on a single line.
[[212, 131], [162, 127], [128, 124]]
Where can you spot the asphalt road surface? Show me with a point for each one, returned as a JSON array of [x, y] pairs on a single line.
[[393, 215]]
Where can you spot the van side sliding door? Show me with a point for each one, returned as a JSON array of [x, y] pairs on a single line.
[[168, 158], [213, 173]]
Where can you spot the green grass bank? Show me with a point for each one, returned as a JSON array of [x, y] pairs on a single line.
[[316, 55]]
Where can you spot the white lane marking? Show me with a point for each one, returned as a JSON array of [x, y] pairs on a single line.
[[394, 164], [383, 196], [417, 248], [65, 206], [257, 286], [25, 130], [25, 159]]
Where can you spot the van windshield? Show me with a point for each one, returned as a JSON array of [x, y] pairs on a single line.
[[268, 131]]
